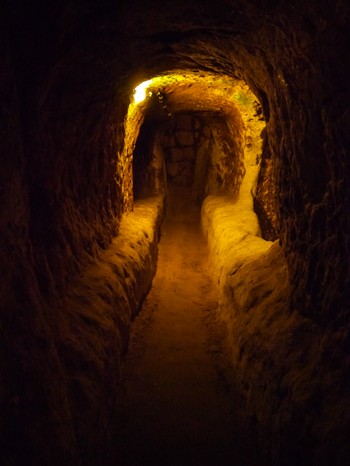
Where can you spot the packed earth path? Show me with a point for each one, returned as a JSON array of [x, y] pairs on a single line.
[[178, 405]]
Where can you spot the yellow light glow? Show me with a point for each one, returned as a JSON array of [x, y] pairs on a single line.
[[140, 91]]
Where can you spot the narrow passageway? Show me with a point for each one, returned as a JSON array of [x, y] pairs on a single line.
[[178, 406]]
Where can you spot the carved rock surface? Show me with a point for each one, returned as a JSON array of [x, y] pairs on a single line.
[[67, 74]]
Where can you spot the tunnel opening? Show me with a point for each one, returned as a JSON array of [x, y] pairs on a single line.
[[206, 131], [202, 153], [143, 185]]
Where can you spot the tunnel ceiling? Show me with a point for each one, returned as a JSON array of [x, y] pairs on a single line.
[[189, 37], [76, 65], [196, 92], [233, 38]]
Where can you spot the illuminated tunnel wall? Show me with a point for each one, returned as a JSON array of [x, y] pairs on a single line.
[[205, 131], [72, 278]]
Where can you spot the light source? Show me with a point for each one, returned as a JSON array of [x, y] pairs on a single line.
[[140, 91]]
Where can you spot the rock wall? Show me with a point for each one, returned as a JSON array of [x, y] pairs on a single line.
[[266, 196], [185, 139], [74, 269], [292, 373], [301, 80], [149, 174], [205, 151], [67, 74]]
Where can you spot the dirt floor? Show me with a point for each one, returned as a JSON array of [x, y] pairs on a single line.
[[178, 402]]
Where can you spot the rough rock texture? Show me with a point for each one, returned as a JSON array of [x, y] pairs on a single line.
[[266, 196], [183, 139], [297, 395], [204, 150], [149, 177], [63, 373], [67, 72]]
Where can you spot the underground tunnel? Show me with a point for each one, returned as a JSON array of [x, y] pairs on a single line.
[[242, 131], [201, 138]]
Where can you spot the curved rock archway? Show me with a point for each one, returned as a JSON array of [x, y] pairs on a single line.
[[71, 277]]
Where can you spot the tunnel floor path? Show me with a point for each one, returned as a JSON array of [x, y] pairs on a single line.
[[178, 406]]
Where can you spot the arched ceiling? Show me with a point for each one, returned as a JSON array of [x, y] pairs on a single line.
[[75, 65], [186, 91]]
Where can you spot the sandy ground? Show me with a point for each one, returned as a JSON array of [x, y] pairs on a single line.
[[178, 403]]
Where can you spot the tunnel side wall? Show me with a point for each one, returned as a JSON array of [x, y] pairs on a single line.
[[74, 269], [301, 79], [92, 325], [61, 357], [290, 372]]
